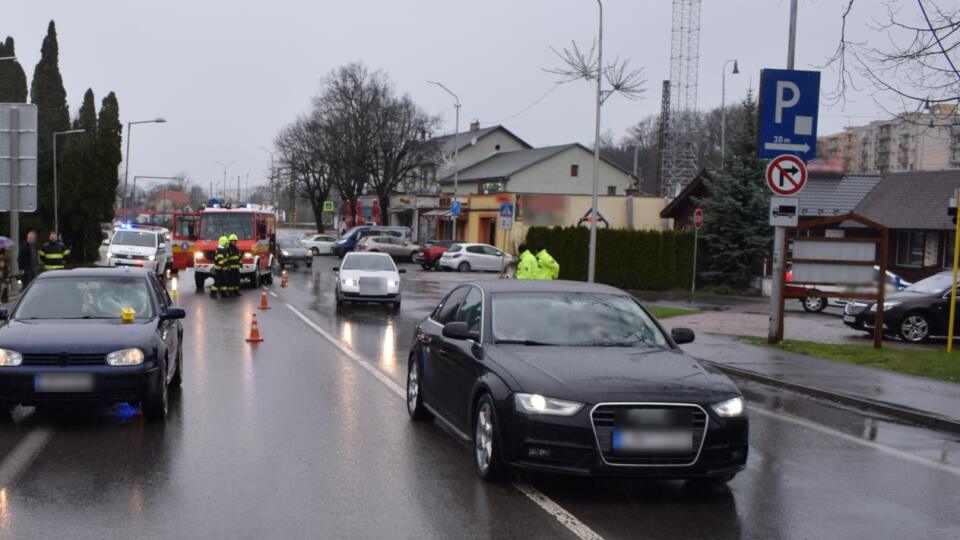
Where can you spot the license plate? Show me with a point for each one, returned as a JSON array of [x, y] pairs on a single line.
[[627, 440], [849, 318], [63, 382]]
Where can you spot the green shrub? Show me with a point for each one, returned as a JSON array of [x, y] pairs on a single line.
[[645, 260]]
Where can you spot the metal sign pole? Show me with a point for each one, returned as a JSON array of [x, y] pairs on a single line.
[[14, 180], [775, 335], [693, 282], [953, 289]]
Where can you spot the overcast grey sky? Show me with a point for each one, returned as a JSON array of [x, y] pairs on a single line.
[[228, 75]]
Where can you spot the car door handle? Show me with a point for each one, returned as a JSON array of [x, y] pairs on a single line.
[[443, 352]]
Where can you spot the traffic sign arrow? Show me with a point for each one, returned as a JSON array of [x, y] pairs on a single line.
[[786, 147]]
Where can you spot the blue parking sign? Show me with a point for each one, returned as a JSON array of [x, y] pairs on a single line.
[[455, 208], [789, 103]]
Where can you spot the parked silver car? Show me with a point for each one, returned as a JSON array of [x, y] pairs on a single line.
[[396, 247], [468, 257]]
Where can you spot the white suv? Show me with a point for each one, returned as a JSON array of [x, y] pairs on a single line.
[[138, 247]]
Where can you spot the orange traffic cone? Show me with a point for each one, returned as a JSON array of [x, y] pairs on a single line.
[[263, 300], [254, 336], [283, 278]]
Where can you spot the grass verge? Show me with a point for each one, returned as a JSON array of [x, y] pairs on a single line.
[[934, 364], [665, 312]]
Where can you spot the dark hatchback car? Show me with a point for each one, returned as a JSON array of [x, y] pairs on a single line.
[[915, 314], [572, 378], [92, 336]]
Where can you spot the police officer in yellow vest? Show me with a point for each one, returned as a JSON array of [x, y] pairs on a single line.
[[53, 255], [233, 273], [221, 263], [526, 264], [547, 266]]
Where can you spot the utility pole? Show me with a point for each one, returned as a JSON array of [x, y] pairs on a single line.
[[723, 109], [780, 233], [456, 151]]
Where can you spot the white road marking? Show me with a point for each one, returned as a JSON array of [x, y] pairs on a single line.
[[568, 520], [906, 456], [16, 462]]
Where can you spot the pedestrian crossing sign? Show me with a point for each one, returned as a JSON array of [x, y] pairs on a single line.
[[328, 206]]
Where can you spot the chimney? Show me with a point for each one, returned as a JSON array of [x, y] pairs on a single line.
[[475, 125]]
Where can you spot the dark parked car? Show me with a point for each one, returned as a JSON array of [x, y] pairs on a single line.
[[92, 335], [572, 378], [293, 252], [429, 254], [916, 314]]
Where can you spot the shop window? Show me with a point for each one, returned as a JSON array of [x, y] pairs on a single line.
[[910, 248]]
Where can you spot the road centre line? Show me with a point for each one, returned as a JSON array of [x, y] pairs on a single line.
[[19, 459], [890, 451], [568, 520]]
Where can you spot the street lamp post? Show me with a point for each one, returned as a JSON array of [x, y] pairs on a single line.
[[456, 151], [723, 109], [56, 188], [592, 257], [126, 171], [225, 166]]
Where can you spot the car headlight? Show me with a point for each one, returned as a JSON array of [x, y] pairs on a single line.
[[109, 255], [125, 357], [10, 358], [197, 255], [886, 306], [729, 408], [350, 282], [285, 253], [152, 258], [537, 404], [393, 283], [248, 255]]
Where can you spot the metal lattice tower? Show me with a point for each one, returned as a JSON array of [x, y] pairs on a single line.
[[679, 164]]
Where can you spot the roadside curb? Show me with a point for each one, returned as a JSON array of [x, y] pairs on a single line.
[[904, 413]]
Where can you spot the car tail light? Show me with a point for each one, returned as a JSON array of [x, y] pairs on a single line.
[[789, 275], [455, 256]]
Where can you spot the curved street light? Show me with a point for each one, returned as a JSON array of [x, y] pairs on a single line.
[[126, 171]]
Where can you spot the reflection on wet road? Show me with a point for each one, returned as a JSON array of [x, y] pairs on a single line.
[[293, 437]]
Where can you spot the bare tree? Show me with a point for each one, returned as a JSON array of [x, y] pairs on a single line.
[[911, 58], [301, 149]]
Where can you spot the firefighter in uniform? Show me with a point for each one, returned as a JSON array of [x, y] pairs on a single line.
[[233, 281], [53, 254], [220, 265]]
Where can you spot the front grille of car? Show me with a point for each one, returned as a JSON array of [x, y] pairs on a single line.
[[603, 424], [131, 257], [854, 308], [64, 360]]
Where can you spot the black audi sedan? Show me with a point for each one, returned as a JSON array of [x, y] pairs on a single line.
[[572, 378], [91, 336], [915, 314]]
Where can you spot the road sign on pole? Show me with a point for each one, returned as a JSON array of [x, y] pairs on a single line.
[[506, 216], [18, 157], [328, 206], [789, 103], [455, 207], [698, 219], [786, 175]]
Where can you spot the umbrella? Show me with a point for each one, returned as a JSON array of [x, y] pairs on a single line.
[[347, 215], [359, 217], [6, 243]]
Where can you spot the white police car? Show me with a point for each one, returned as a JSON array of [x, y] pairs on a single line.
[[141, 248]]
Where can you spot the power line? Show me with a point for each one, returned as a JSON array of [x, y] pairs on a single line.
[[528, 107]]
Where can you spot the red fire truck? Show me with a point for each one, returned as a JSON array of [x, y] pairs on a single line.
[[186, 229], [256, 229]]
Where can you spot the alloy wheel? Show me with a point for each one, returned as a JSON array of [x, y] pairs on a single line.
[[483, 438], [413, 387], [814, 303], [914, 328]]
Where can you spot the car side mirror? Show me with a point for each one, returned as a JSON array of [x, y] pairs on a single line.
[[162, 246], [173, 313], [458, 330], [4, 314], [401, 270], [106, 242], [682, 335], [336, 269]]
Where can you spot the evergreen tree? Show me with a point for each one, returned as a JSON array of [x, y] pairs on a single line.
[[81, 185], [50, 97], [13, 81], [109, 155], [736, 233]]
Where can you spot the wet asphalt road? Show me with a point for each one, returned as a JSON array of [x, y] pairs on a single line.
[[296, 438]]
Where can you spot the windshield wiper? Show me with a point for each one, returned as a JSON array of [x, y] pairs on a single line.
[[528, 342]]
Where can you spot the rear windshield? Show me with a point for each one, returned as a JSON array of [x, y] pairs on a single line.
[[455, 248], [85, 298], [368, 261], [135, 238]]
